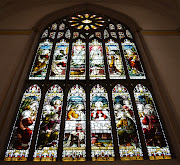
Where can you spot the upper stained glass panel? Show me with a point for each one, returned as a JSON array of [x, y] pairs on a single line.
[[21, 136], [78, 60], [132, 60], [59, 62], [156, 142], [49, 129], [41, 61], [116, 69], [97, 67], [128, 138]]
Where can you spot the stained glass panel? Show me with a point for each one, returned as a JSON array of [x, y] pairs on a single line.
[[68, 34], [102, 148], [128, 34], [113, 34], [21, 136], [59, 62], [121, 35], [156, 142], [116, 69], [49, 129], [52, 35], [74, 143], [62, 26], [60, 34], [132, 60], [54, 26], [106, 34], [75, 35], [119, 27], [45, 34], [97, 68], [128, 138], [39, 68], [78, 60]]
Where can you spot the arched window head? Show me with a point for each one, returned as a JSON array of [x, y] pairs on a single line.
[[90, 73]]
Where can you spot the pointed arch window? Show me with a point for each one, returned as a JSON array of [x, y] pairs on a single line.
[[89, 103]]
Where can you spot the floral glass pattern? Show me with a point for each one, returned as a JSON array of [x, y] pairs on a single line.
[[48, 136], [156, 142], [21, 136], [74, 143], [128, 138], [102, 148]]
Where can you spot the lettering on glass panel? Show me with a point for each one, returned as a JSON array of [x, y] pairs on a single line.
[[155, 138], [21, 136], [116, 68], [97, 68], [74, 143], [49, 129], [78, 58], [59, 62], [102, 148], [41, 61], [128, 138], [132, 60]]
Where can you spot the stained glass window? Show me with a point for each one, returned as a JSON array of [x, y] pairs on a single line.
[[79, 111]]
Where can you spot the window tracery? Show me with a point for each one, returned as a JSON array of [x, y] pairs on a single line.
[[87, 49]]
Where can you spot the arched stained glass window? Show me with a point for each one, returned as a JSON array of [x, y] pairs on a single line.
[[155, 138], [21, 135], [128, 138], [102, 148], [90, 72], [74, 143], [49, 127]]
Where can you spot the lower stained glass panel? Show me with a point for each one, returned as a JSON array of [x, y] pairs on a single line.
[[102, 148], [128, 138], [74, 143], [156, 142], [21, 136], [48, 137]]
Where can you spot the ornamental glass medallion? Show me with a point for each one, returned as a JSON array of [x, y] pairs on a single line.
[[128, 138], [116, 68], [41, 61], [155, 138], [74, 143], [78, 60], [97, 68], [102, 148], [49, 128], [59, 62], [21, 136], [133, 62]]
